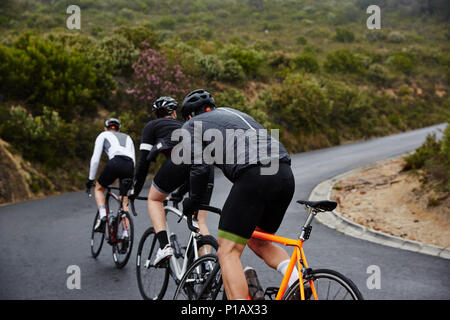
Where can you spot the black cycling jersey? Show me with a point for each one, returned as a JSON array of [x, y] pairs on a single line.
[[156, 138]]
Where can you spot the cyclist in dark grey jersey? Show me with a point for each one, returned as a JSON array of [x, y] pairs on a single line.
[[259, 197]]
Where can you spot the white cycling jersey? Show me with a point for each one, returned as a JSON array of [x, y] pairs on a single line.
[[114, 144]]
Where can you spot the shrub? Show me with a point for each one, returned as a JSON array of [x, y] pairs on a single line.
[[344, 35], [118, 54], [45, 73], [301, 40], [377, 74], [140, 35], [155, 77], [433, 160], [306, 62], [232, 71], [249, 60], [210, 66], [402, 61], [396, 37], [166, 23], [46, 138], [343, 61]]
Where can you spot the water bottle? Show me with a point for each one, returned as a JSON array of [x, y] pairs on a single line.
[[175, 245], [254, 287]]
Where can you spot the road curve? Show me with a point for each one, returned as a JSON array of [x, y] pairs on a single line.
[[41, 238]]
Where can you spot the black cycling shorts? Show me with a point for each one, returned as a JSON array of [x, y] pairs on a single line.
[[256, 200], [171, 176], [119, 167]]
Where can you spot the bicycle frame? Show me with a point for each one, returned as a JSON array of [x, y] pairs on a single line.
[[119, 200], [298, 256], [178, 271]]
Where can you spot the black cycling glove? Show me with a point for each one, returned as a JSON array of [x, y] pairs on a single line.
[[190, 206], [89, 184]]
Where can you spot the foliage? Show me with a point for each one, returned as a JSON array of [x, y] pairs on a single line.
[[402, 61], [344, 35], [343, 61], [306, 62], [155, 77], [43, 73], [46, 138], [433, 159]]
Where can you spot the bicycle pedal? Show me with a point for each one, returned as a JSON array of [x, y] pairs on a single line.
[[271, 292]]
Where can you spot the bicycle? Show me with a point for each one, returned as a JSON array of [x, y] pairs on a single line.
[[202, 283], [116, 224], [153, 279]]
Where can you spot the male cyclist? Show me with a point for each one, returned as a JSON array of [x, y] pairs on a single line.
[[120, 150], [156, 139], [256, 201]]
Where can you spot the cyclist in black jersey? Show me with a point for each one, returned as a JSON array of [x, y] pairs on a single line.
[[156, 139], [260, 195]]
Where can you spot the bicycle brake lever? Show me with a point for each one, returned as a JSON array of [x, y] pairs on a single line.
[[191, 226]]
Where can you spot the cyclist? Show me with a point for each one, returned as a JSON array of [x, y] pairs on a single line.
[[120, 150], [156, 139], [256, 201]]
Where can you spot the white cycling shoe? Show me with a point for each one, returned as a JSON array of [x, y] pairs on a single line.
[[163, 254]]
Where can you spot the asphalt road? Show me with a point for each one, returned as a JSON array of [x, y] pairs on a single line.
[[40, 239]]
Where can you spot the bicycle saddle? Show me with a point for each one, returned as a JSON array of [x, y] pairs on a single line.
[[324, 205]]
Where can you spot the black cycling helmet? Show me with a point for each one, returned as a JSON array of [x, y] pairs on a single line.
[[196, 102], [112, 123], [164, 106]]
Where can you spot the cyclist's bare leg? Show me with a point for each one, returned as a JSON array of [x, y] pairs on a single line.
[[272, 254], [232, 272], [202, 216], [156, 209], [99, 193], [125, 222]]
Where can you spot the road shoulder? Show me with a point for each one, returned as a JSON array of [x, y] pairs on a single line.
[[336, 221]]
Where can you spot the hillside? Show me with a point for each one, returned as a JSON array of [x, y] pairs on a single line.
[[311, 68]]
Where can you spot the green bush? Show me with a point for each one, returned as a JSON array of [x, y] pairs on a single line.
[[47, 138], [343, 61], [250, 60], [45, 73], [210, 66], [433, 161], [118, 54], [378, 74], [396, 37], [402, 61], [138, 35], [344, 35], [232, 71], [306, 62], [166, 23]]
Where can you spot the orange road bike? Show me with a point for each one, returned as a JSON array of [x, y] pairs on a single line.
[[200, 282]]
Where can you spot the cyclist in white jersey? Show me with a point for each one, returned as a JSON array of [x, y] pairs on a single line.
[[120, 150]]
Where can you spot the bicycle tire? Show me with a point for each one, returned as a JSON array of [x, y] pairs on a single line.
[[339, 280], [203, 241], [121, 259], [197, 274], [151, 273], [97, 239]]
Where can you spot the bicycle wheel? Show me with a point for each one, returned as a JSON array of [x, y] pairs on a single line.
[[195, 278], [205, 245], [329, 285], [96, 239], [152, 280], [122, 247]]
